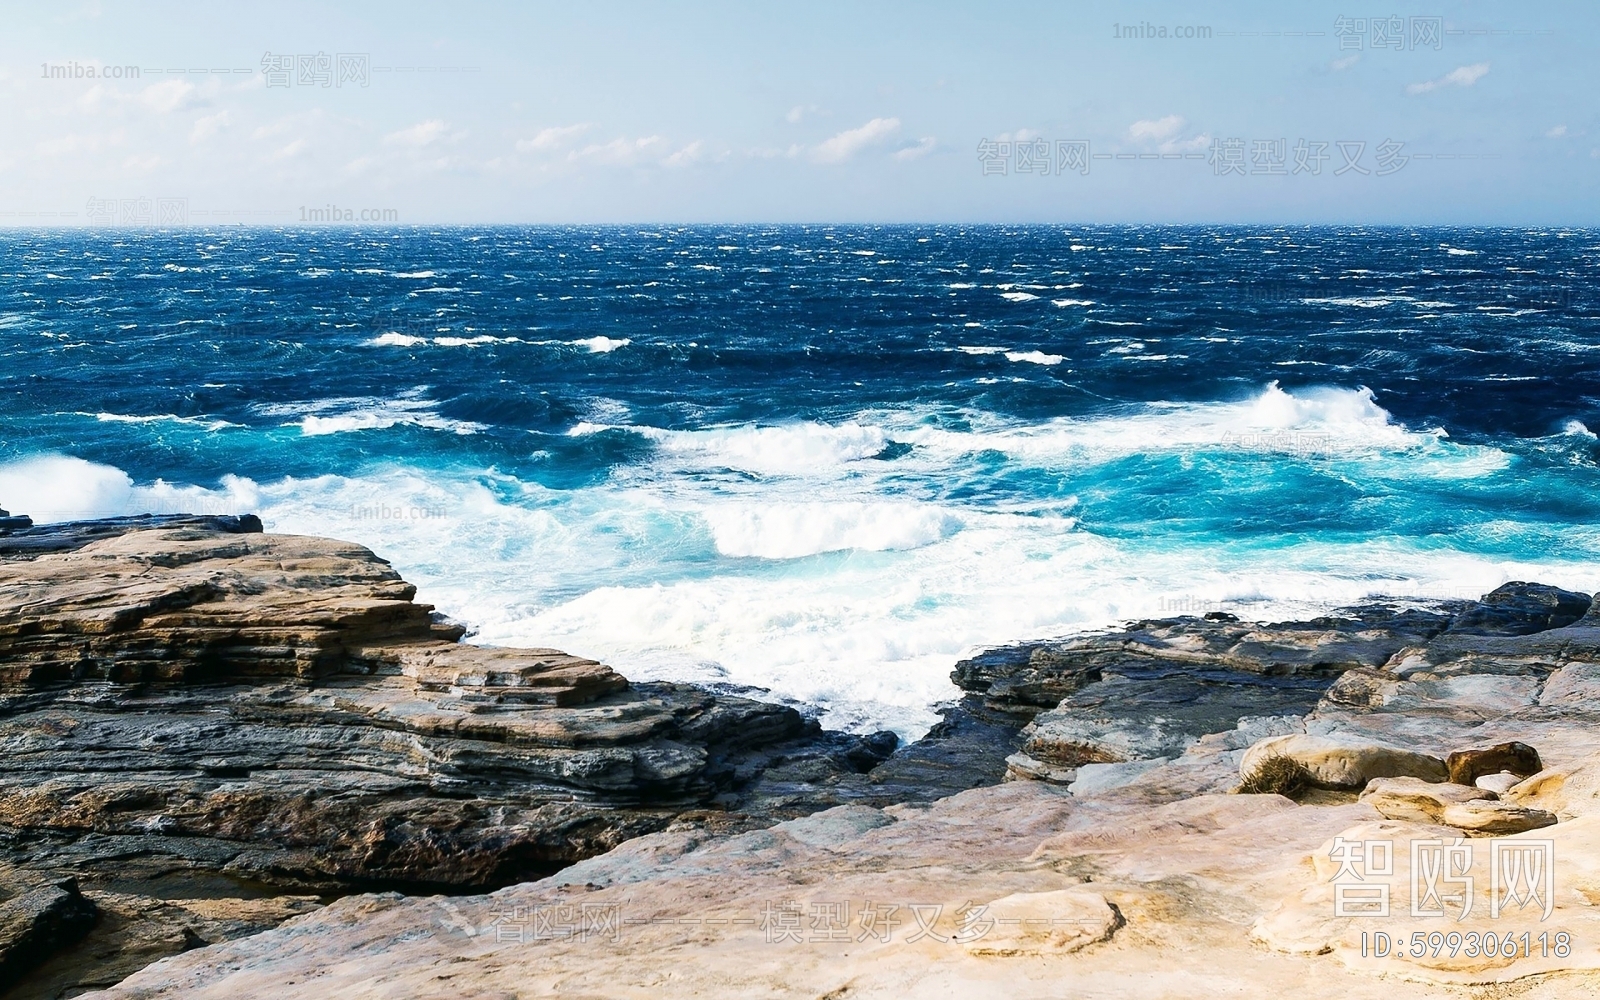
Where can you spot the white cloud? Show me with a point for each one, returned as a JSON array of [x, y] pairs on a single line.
[[1461, 76], [290, 151], [1020, 135], [923, 147], [1196, 144], [208, 126], [685, 156], [1556, 133], [773, 153], [1339, 65], [1166, 131], [420, 134], [70, 145], [551, 138], [852, 141], [141, 163], [169, 96], [621, 151], [1157, 129]]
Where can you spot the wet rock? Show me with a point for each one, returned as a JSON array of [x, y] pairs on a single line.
[[8, 523], [1520, 609], [1023, 678], [1467, 766], [1140, 714], [38, 916], [1028, 677]]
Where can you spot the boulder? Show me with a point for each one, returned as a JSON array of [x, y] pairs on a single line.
[[1520, 609], [1341, 763], [1467, 766], [1487, 818], [1498, 783], [1413, 800]]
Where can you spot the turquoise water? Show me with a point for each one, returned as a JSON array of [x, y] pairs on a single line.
[[828, 461]]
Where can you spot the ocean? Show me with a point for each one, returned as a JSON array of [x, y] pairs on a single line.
[[826, 461]]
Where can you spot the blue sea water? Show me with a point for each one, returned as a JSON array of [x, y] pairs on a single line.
[[826, 461]]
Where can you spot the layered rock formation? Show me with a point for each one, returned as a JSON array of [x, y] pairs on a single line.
[[193, 710], [1140, 871]]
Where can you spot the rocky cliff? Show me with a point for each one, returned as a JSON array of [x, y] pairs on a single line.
[[1186, 807], [193, 710]]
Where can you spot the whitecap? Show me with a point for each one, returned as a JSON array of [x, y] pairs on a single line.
[[776, 450], [365, 413], [796, 530], [210, 424], [602, 344], [1035, 357]]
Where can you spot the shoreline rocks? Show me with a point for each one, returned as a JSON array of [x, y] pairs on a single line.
[[182, 700], [189, 706]]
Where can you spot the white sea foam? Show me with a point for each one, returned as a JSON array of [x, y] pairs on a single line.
[[415, 274], [397, 340], [1323, 421], [781, 450], [365, 413], [795, 530], [666, 571], [209, 423], [601, 345], [473, 341], [54, 488], [965, 349], [1064, 303], [1035, 357], [1360, 301], [1018, 296]]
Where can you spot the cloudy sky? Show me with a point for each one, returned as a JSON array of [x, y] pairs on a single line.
[[480, 112]]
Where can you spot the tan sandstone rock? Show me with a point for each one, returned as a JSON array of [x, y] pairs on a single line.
[[1483, 818], [1498, 783], [1417, 801], [1343, 763], [1044, 923]]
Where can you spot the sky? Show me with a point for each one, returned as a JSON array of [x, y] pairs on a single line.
[[615, 112]]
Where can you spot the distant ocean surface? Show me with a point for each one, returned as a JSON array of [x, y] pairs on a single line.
[[826, 461]]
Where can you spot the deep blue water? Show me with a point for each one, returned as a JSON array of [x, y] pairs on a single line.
[[827, 460]]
